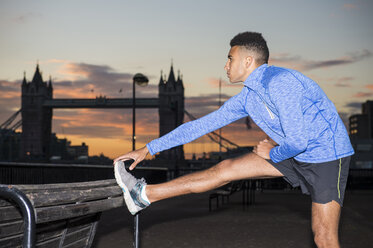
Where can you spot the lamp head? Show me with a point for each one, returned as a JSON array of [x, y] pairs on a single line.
[[140, 79]]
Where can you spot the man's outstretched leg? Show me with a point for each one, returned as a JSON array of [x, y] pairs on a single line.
[[325, 220], [247, 166]]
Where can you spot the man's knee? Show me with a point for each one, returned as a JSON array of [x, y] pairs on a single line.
[[325, 218], [319, 240], [249, 165], [324, 238]]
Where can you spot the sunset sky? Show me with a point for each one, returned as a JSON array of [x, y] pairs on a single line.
[[92, 48]]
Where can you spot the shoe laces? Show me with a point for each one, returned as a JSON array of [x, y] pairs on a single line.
[[142, 180]]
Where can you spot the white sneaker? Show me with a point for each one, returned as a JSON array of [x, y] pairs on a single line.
[[131, 187]]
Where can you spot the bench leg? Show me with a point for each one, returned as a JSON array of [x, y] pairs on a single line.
[[212, 196], [136, 243]]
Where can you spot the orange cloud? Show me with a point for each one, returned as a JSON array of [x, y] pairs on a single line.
[[84, 92], [73, 72], [363, 94], [11, 95], [57, 61], [90, 80], [341, 84]]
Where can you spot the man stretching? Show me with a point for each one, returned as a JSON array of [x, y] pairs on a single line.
[[311, 147]]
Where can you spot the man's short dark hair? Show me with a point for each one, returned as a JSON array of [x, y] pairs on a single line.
[[255, 42]]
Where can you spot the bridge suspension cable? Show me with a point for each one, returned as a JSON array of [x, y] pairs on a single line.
[[9, 121], [213, 135], [8, 127]]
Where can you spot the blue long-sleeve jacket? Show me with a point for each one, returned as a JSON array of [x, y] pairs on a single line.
[[288, 106]]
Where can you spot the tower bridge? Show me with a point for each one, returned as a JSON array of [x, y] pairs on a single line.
[[38, 104]]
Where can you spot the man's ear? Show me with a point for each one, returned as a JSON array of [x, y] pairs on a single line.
[[249, 60]]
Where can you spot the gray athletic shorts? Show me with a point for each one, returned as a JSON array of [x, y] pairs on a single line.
[[323, 181]]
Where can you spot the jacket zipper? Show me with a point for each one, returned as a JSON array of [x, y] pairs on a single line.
[[269, 111]]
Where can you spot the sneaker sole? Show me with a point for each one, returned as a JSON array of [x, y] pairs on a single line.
[[126, 194]]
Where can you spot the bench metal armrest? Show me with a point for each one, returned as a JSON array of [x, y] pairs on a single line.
[[27, 210]]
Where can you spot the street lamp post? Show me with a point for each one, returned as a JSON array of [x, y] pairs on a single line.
[[140, 80]]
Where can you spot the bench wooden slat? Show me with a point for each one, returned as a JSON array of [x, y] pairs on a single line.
[[76, 236], [46, 214], [48, 197], [10, 213], [78, 244], [11, 228], [11, 241], [47, 231], [77, 228], [16, 240], [51, 243], [82, 222], [63, 186], [43, 234], [47, 235]]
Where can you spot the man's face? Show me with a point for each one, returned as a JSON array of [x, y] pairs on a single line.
[[236, 66]]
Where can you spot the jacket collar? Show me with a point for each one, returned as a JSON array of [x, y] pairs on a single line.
[[253, 81]]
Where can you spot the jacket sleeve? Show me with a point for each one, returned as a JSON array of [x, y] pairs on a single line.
[[286, 92], [232, 110]]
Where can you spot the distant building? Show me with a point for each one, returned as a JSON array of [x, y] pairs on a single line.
[[367, 109], [78, 152], [361, 134], [359, 126], [10, 143], [363, 158], [58, 148], [61, 149]]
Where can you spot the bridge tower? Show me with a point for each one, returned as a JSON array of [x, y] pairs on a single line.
[[36, 119], [171, 111]]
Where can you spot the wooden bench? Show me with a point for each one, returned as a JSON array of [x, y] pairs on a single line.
[[224, 192], [246, 186], [66, 215]]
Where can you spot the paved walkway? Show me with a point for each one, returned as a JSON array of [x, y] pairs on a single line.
[[278, 219]]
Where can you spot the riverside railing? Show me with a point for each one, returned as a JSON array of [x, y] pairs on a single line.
[[46, 173]]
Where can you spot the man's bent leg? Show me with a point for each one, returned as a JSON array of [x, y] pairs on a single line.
[[325, 221], [247, 166]]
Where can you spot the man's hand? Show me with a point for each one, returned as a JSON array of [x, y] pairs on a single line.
[[137, 156], [263, 149]]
